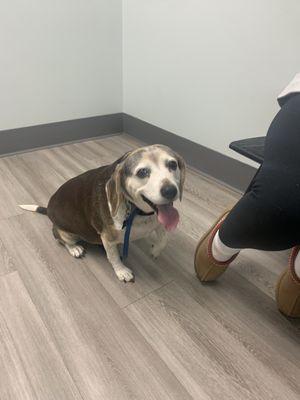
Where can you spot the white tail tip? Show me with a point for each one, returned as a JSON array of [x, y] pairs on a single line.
[[29, 207]]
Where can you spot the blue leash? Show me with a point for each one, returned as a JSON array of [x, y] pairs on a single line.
[[128, 225]]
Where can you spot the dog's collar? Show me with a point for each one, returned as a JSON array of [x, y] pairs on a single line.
[[133, 208], [127, 224], [143, 213]]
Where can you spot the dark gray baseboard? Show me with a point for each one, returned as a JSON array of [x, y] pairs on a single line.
[[221, 167], [29, 138]]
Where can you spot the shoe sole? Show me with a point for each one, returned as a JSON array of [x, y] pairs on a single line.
[[204, 237]]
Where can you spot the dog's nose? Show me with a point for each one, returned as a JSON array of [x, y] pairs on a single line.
[[169, 192]]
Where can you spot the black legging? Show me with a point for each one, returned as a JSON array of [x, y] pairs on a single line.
[[268, 215]]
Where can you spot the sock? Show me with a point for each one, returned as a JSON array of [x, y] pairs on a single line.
[[220, 251], [297, 265]]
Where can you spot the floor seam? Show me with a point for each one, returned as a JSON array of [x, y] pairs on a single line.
[[10, 216], [147, 294]]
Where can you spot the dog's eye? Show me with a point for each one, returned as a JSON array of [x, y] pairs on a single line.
[[172, 165], [143, 173]]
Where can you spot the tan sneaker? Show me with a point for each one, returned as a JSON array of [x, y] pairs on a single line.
[[206, 267], [288, 289]]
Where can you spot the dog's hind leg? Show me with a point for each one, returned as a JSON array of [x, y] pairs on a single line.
[[69, 240]]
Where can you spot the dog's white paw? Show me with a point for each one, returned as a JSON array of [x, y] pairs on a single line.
[[156, 251], [124, 274], [75, 250]]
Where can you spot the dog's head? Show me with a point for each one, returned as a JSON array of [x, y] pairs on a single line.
[[152, 178]]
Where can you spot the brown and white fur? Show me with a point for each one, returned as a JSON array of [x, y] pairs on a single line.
[[93, 206]]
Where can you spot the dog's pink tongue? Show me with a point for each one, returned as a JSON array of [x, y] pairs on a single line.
[[168, 216]]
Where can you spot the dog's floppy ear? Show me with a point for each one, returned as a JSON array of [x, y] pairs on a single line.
[[182, 168], [114, 185], [114, 190]]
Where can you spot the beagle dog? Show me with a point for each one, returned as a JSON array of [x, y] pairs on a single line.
[[94, 206]]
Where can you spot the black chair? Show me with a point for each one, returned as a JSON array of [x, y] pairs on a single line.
[[252, 148]]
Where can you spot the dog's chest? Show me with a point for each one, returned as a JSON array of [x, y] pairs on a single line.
[[142, 227]]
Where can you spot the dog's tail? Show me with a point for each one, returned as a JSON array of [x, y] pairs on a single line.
[[34, 208]]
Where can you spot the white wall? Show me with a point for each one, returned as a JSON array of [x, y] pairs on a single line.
[[209, 70], [60, 60], [206, 70]]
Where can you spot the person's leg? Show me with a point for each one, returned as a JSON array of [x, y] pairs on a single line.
[[267, 217], [274, 195], [220, 251], [252, 223]]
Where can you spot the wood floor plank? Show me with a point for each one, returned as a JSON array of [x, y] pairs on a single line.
[[264, 272], [14, 384], [68, 163], [30, 365], [12, 192], [29, 177], [129, 140], [234, 319], [106, 355], [200, 352], [97, 152], [7, 263]]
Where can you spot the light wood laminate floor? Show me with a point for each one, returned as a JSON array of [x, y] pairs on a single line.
[[70, 330]]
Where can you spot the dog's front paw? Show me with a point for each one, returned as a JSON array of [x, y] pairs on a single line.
[[155, 251], [124, 274]]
